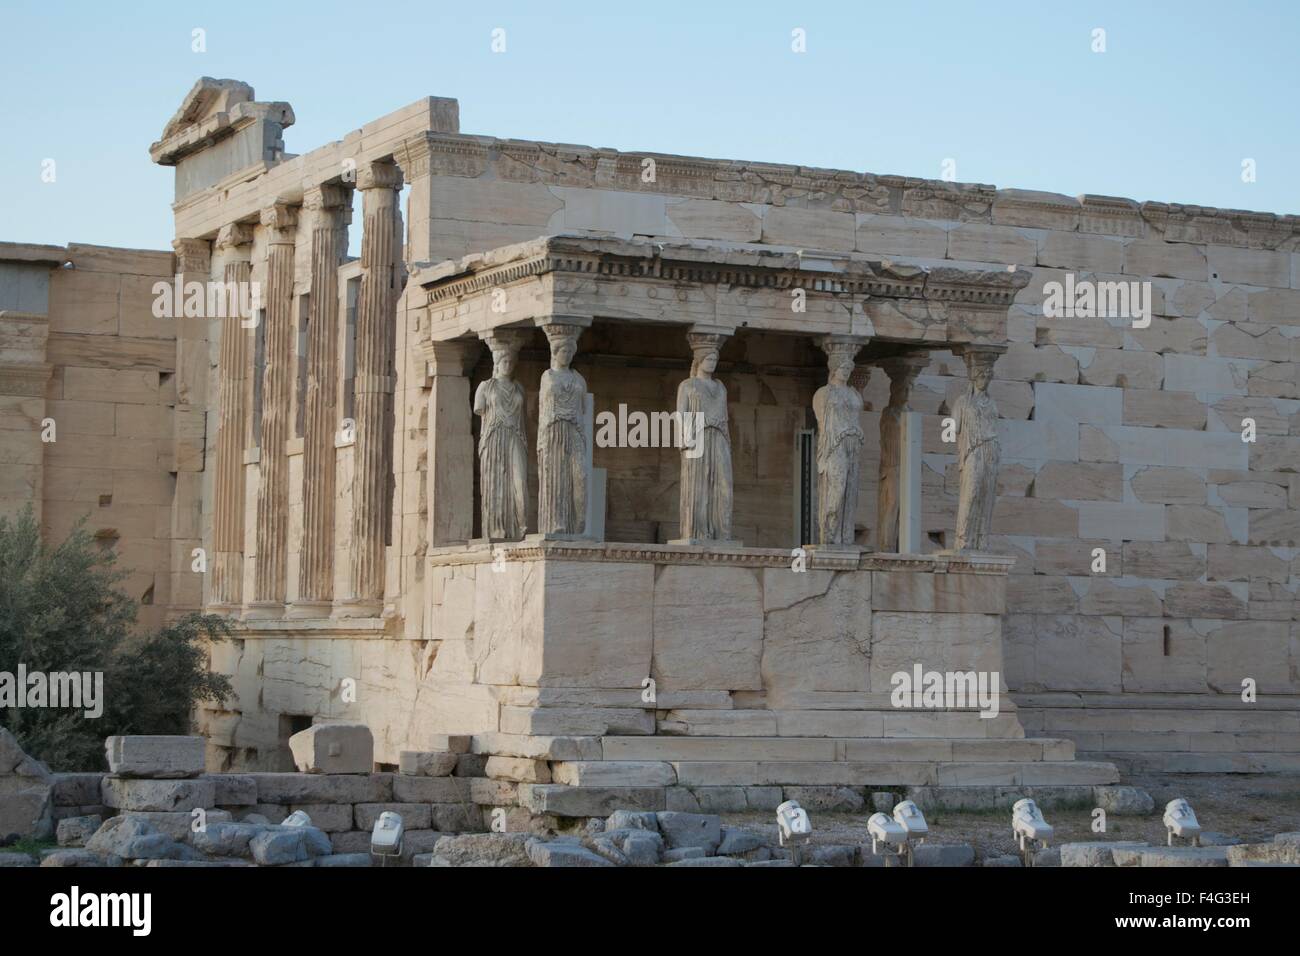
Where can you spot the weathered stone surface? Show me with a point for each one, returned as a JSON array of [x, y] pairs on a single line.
[[284, 845], [565, 801], [1183, 856], [560, 854], [1124, 801], [160, 756], [233, 789], [131, 840], [737, 841], [485, 849], [938, 854], [169, 795], [632, 820], [415, 816], [299, 788], [227, 839], [424, 763], [430, 789], [690, 830], [72, 858], [643, 848], [1093, 854], [334, 748], [827, 799], [615, 773], [75, 831], [8, 859], [520, 770], [26, 792], [179, 825]]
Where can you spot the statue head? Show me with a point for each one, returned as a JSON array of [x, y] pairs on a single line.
[[979, 368], [841, 359], [504, 344], [705, 347], [564, 343]]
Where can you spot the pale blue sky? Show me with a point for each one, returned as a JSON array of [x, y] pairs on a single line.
[[1011, 91]]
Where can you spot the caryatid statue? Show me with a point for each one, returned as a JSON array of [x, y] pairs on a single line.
[[902, 372], [561, 438], [976, 417], [838, 407], [706, 456], [502, 442]]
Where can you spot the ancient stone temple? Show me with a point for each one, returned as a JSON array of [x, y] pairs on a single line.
[[864, 450]]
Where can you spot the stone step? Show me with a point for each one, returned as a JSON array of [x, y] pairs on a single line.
[[830, 749], [838, 723], [707, 776], [1160, 761]]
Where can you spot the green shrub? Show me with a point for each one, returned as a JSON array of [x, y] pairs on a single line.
[[61, 610]]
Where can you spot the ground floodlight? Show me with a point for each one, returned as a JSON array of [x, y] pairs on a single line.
[[886, 830], [793, 822], [298, 818], [386, 838], [1029, 827], [1180, 822], [908, 815]]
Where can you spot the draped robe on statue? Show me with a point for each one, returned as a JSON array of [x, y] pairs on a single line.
[[977, 457], [706, 478], [502, 458], [839, 451], [562, 453]]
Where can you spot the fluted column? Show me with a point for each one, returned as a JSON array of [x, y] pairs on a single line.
[[327, 206], [280, 221], [234, 245], [891, 496], [381, 277]]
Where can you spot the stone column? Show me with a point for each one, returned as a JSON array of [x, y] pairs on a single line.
[[563, 440], [381, 276], [450, 462], [707, 486], [902, 372], [184, 592], [280, 222], [978, 451], [329, 210], [234, 245], [838, 409]]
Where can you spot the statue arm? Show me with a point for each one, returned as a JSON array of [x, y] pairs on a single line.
[[480, 398]]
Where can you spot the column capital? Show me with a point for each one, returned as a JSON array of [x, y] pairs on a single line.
[[379, 176], [839, 347], [325, 196], [577, 321], [234, 234], [281, 219], [192, 255], [507, 339]]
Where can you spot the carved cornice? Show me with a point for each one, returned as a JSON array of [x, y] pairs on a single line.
[[687, 262], [542, 550]]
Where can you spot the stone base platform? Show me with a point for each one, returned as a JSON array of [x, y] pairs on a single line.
[[590, 776]]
